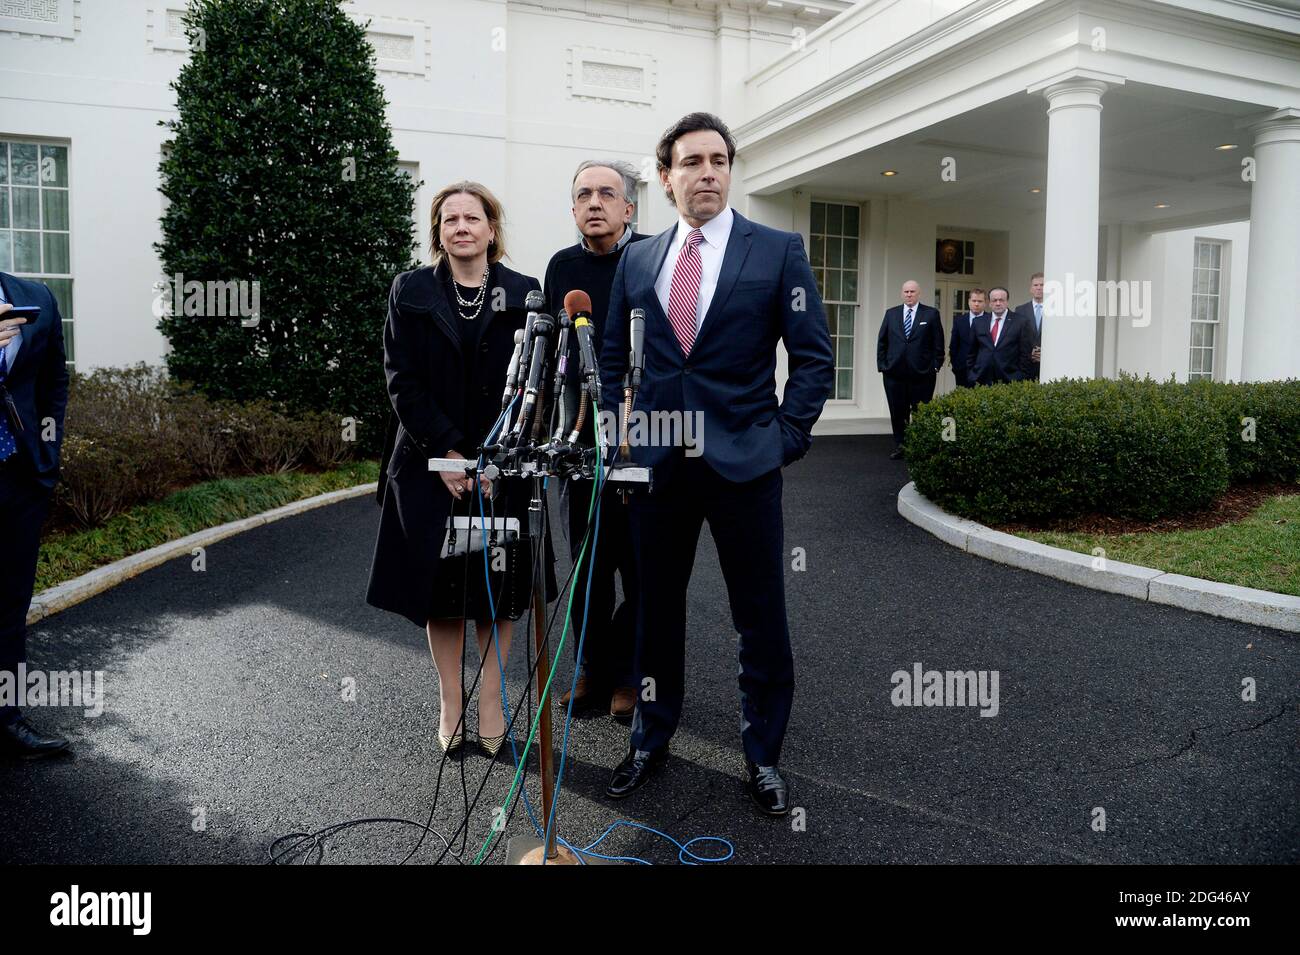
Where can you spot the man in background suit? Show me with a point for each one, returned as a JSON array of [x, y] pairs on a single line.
[[909, 353], [1033, 311], [33, 395], [1003, 343], [963, 337], [719, 293]]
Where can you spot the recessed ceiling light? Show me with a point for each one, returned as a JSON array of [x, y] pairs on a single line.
[[889, 172], [1227, 146], [1035, 190], [1162, 205]]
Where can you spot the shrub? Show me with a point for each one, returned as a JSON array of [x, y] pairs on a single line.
[[132, 435], [266, 439], [1130, 448], [326, 448]]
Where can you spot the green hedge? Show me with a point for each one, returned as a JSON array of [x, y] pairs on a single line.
[[1129, 447]]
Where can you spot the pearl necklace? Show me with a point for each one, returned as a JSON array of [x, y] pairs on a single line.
[[476, 302]]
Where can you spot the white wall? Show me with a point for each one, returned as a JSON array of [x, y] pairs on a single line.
[[1163, 347], [488, 92]]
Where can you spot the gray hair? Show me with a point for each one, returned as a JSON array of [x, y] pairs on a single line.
[[625, 170]]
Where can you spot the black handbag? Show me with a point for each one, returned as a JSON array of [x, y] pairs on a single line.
[[461, 582]]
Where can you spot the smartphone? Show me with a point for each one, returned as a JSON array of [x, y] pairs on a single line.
[[29, 312]]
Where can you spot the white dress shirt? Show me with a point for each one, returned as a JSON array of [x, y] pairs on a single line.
[[717, 231], [15, 343]]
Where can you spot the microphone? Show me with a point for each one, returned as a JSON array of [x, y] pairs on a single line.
[[636, 358], [512, 375], [578, 304], [562, 353], [542, 329], [534, 301]]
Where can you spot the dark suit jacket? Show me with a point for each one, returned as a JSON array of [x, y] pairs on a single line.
[[426, 369], [1027, 310], [730, 375], [922, 354], [1009, 361], [963, 340], [38, 381]]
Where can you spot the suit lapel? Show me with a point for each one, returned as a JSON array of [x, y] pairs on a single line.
[[733, 261], [442, 316], [649, 274]]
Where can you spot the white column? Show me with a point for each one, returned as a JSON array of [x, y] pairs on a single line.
[[1271, 334], [1073, 214]]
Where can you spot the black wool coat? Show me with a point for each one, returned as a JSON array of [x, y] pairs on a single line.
[[428, 371]]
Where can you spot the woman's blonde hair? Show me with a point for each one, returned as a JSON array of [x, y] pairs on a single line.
[[496, 249]]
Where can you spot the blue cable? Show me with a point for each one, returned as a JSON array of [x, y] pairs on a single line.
[[684, 854]]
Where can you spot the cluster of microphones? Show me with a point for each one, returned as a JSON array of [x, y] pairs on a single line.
[[547, 404]]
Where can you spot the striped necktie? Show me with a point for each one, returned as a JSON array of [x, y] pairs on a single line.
[[685, 290], [907, 322]]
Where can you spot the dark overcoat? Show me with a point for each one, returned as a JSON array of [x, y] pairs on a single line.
[[426, 367]]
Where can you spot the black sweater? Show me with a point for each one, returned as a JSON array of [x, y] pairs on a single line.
[[576, 268]]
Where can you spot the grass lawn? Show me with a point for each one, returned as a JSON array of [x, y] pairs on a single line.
[[68, 554], [1262, 551]]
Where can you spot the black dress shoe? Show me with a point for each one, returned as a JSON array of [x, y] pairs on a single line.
[[895, 454], [768, 789], [21, 740], [631, 774]]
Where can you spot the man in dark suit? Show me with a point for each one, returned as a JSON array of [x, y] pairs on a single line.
[[719, 293], [33, 397], [909, 353], [603, 192], [963, 336], [1004, 341], [1033, 311]]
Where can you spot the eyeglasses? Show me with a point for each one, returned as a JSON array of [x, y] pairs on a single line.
[[606, 194]]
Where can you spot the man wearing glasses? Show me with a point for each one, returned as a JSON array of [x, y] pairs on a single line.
[[603, 193]]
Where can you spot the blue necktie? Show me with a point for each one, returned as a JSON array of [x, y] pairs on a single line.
[[1038, 317], [907, 323], [7, 444]]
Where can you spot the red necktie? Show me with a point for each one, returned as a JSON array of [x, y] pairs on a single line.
[[997, 326], [685, 290]]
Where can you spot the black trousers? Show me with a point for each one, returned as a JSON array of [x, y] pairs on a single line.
[[24, 504], [610, 640], [904, 393], [746, 523]]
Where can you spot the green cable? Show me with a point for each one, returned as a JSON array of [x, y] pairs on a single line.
[[564, 635]]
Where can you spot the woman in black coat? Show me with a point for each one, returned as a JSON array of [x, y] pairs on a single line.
[[446, 352]]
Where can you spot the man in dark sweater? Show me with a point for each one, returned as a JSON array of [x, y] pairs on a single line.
[[603, 193]]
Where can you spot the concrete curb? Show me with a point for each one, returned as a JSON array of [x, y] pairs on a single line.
[[70, 592], [1261, 607]]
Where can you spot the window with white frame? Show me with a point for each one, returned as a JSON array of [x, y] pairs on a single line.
[[35, 228], [411, 170], [833, 236], [1207, 278]]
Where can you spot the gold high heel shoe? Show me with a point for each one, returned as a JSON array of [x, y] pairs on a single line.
[[491, 745], [451, 743]]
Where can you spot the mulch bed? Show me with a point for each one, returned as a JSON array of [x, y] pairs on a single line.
[[1234, 505]]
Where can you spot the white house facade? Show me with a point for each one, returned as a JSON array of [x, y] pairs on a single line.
[[1143, 154]]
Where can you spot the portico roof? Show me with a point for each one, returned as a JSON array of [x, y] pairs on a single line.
[[1183, 77]]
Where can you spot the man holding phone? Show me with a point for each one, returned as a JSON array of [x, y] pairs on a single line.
[[33, 398]]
